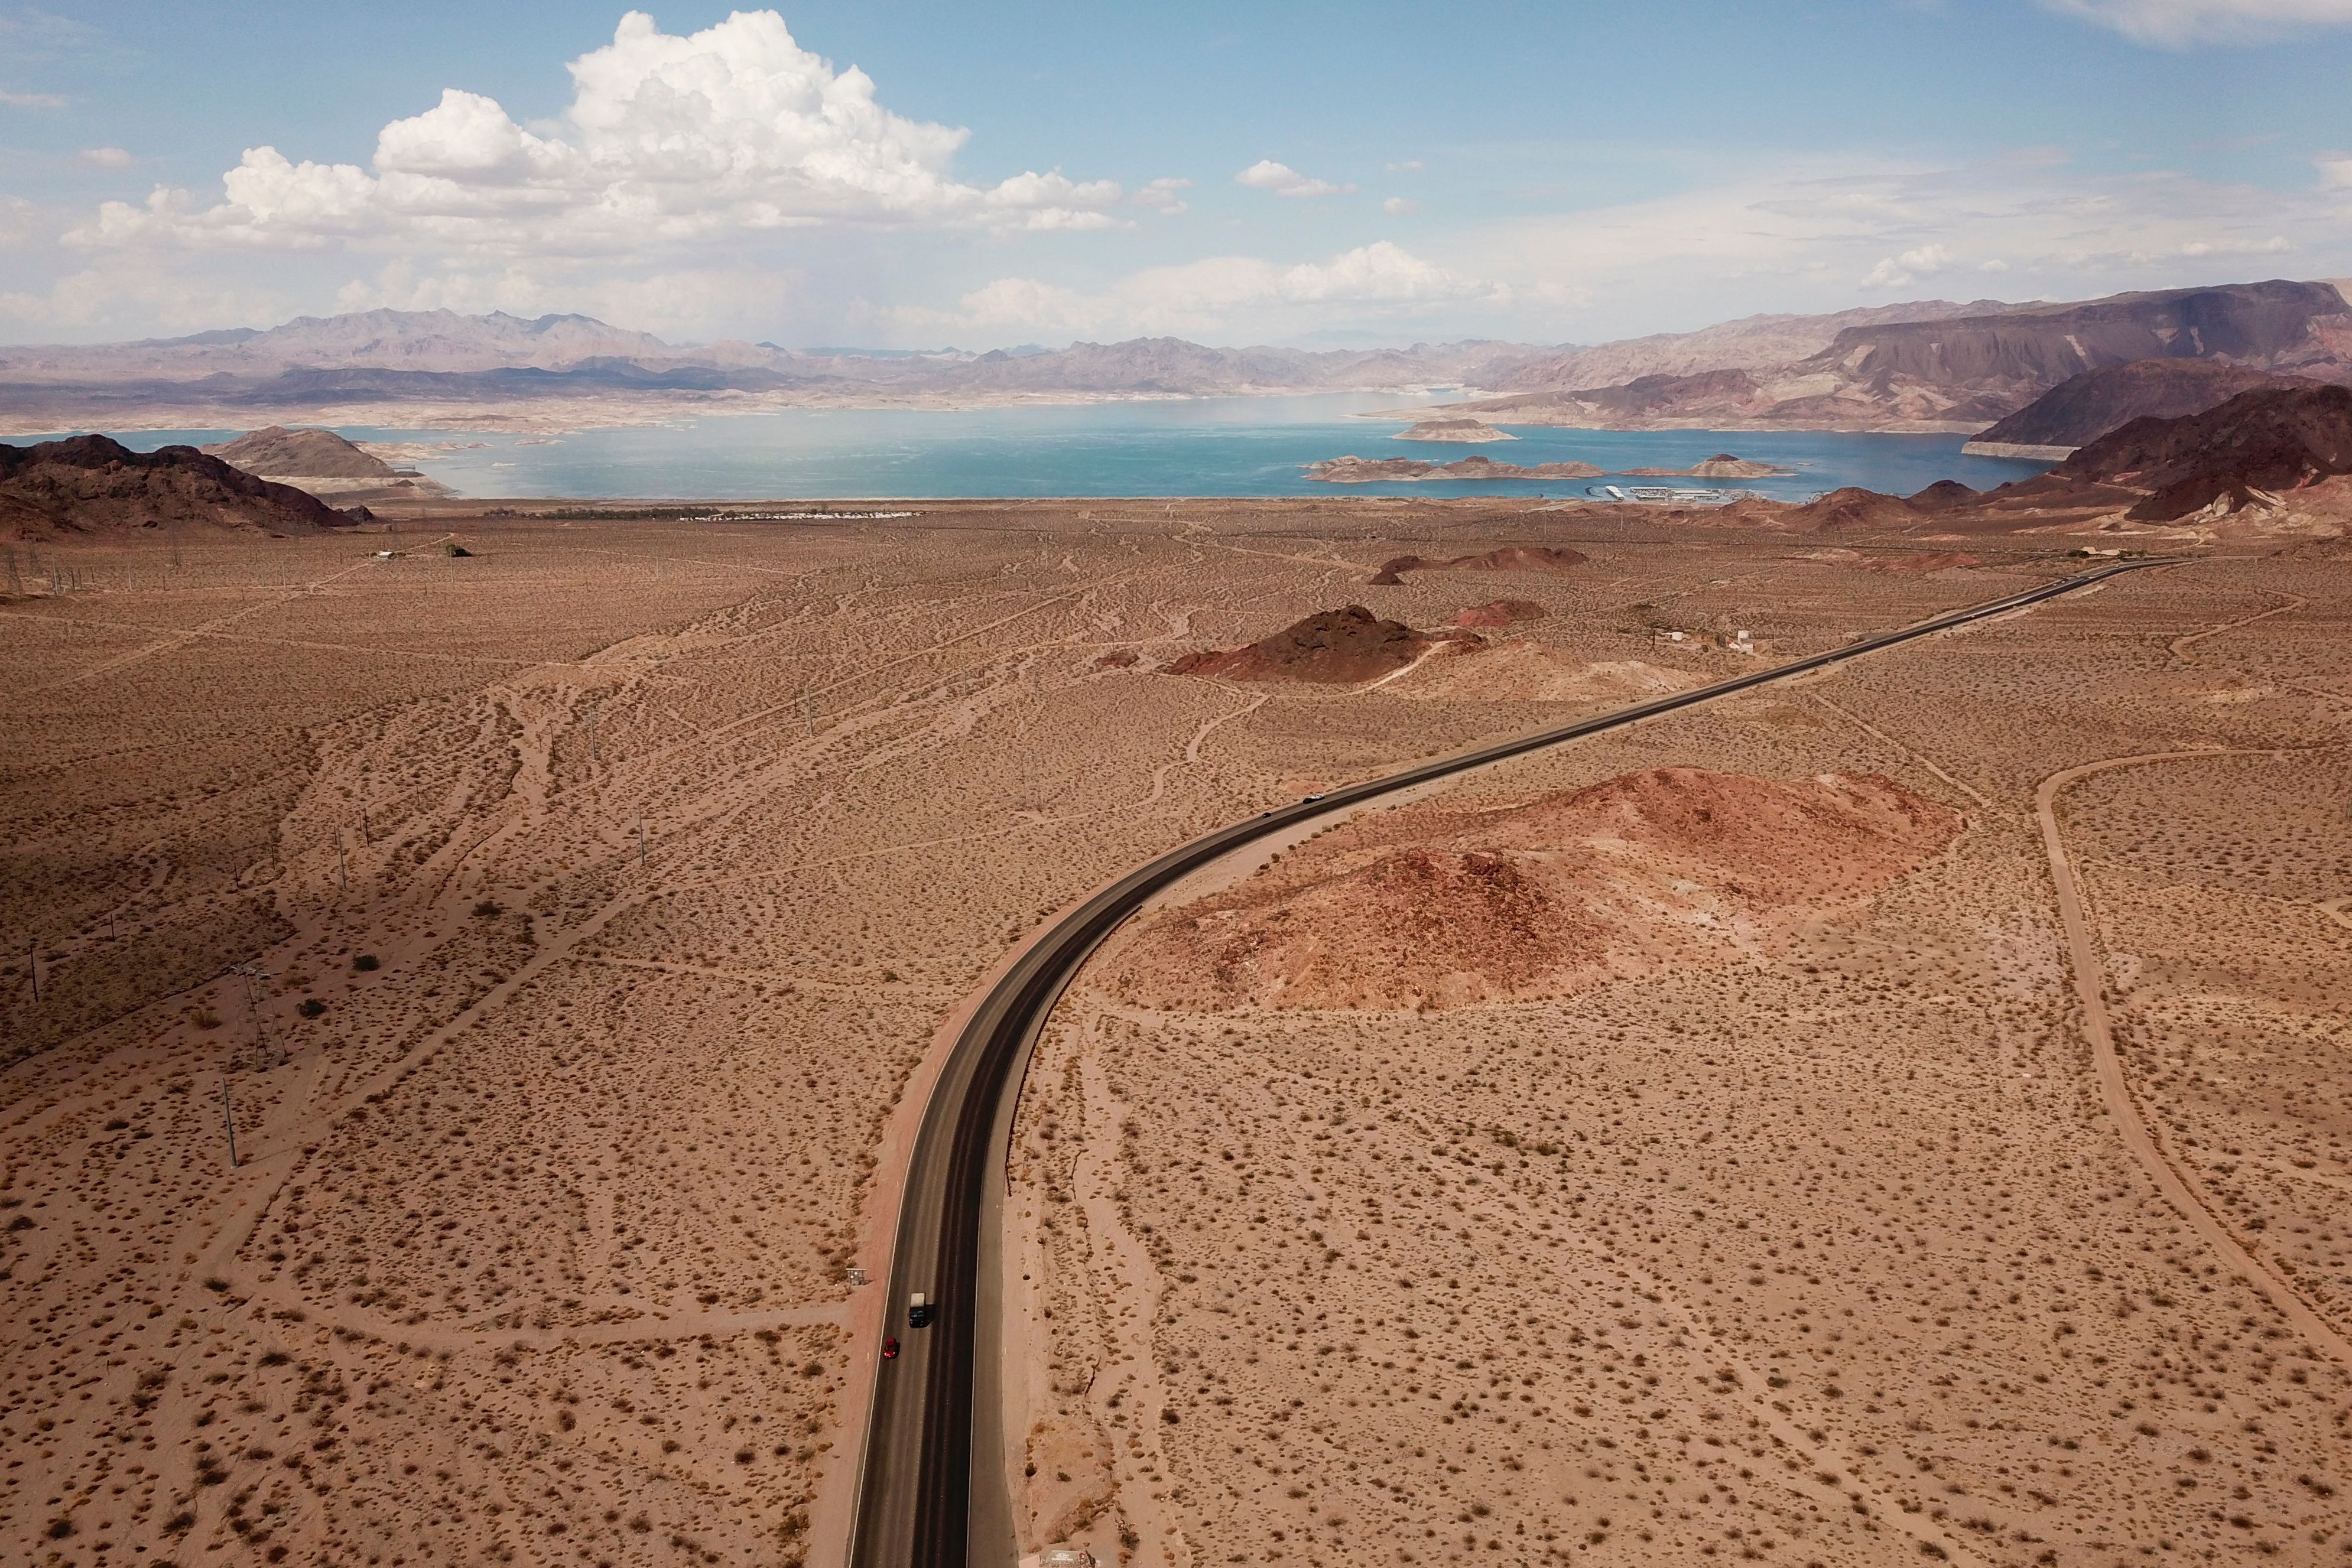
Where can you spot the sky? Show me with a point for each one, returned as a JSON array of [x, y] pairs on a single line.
[[917, 174]]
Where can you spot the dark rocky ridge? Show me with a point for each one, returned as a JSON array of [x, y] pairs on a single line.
[[1503, 558], [2081, 408], [90, 484], [2272, 440]]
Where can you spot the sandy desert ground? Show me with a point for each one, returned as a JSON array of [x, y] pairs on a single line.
[[1622, 1186]]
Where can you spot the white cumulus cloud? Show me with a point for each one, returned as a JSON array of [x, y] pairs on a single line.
[[1160, 196], [30, 100], [1398, 207], [2176, 23], [1282, 180], [1899, 271], [668, 140], [103, 158]]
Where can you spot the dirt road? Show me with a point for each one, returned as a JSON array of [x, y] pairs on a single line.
[[2131, 1125]]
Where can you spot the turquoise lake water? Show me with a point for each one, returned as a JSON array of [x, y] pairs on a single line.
[[1205, 446]]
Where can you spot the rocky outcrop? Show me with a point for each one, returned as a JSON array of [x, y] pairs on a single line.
[[90, 485], [1943, 495], [1342, 647]]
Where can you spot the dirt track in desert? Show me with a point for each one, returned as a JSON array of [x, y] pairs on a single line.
[[610, 886]]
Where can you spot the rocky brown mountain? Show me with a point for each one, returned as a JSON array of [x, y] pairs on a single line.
[[2270, 440], [1751, 342], [2081, 408], [90, 484], [2275, 325], [300, 454]]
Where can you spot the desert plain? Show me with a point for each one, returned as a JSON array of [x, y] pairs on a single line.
[[1900, 1114]]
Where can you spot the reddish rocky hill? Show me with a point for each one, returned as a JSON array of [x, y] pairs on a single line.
[[1435, 906], [90, 484], [1853, 509], [1340, 647]]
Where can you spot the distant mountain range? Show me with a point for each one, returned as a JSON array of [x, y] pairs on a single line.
[[1927, 365], [1963, 370]]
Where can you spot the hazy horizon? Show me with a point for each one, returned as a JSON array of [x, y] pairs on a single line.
[[899, 177]]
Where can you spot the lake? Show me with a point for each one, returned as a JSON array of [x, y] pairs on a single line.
[[1192, 447]]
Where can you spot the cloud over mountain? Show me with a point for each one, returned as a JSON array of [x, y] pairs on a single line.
[[1377, 281]]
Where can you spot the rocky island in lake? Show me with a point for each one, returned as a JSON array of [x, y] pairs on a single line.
[[1467, 432], [1392, 470]]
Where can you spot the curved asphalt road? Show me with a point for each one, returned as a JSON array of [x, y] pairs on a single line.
[[916, 1500]]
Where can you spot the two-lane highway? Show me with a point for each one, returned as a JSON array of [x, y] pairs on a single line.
[[916, 1486]]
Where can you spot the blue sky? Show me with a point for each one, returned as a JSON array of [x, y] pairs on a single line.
[[1309, 174]]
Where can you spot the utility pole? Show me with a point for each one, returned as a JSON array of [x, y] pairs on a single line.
[[641, 838], [228, 1120], [366, 837], [253, 974], [33, 964], [342, 877], [806, 716]]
